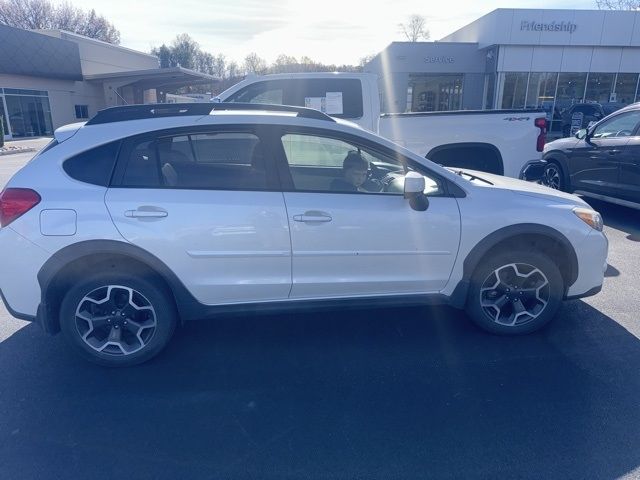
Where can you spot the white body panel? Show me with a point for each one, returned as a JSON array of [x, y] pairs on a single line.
[[225, 246], [514, 135], [373, 245]]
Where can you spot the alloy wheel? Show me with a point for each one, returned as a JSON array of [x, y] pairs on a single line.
[[115, 320], [515, 294], [551, 177]]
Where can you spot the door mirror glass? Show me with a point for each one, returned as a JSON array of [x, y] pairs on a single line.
[[580, 134]]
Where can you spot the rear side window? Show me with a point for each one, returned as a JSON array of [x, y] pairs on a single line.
[[338, 97], [94, 166], [216, 161]]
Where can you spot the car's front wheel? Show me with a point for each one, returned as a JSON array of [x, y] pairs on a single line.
[[515, 292], [553, 177], [117, 320]]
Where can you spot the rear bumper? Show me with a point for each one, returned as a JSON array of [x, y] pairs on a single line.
[[533, 170]]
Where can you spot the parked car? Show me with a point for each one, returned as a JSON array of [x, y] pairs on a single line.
[[584, 114], [505, 142], [149, 216], [601, 162]]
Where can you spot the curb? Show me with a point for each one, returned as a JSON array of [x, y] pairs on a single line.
[[17, 150]]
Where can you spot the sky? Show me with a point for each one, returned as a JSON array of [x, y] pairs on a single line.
[[328, 31]]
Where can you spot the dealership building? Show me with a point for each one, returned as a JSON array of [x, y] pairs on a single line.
[[517, 59], [50, 78]]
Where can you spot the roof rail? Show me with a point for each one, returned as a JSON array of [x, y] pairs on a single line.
[[302, 112], [149, 110], [158, 110]]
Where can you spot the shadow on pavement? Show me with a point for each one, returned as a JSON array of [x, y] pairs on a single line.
[[618, 217], [404, 393], [611, 271]]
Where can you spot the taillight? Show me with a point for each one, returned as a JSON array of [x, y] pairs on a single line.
[[15, 202], [541, 123]]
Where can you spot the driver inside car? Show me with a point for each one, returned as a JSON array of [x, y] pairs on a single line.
[[355, 171]]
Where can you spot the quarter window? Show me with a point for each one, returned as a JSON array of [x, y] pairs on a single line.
[[94, 166]]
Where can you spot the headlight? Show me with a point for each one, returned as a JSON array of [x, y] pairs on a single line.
[[590, 217]]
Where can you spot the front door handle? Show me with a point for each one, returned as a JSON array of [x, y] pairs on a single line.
[[146, 212], [613, 152], [313, 217]]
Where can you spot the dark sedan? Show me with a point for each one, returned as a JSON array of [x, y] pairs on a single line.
[[601, 162]]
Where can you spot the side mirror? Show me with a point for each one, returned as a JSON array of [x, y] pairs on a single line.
[[414, 186], [215, 100], [580, 134]]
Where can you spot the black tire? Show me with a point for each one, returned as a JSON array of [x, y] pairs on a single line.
[[145, 292], [553, 177], [493, 319]]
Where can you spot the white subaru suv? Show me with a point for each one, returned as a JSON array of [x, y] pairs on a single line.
[[148, 216]]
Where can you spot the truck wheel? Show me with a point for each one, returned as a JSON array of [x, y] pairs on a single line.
[[553, 177], [117, 320], [515, 292]]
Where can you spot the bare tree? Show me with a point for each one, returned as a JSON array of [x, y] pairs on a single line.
[[254, 64], [42, 14], [618, 4], [366, 59], [219, 65], [415, 29], [184, 51], [233, 70]]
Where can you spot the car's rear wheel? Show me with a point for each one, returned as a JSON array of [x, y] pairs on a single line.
[[553, 177], [116, 320], [515, 292]]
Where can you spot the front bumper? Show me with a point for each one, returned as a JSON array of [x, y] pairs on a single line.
[[592, 263], [533, 170]]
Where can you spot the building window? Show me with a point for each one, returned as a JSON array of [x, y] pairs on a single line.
[[626, 85], [29, 115], [3, 118], [514, 90], [435, 92], [541, 93], [599, 87], [82, 111]]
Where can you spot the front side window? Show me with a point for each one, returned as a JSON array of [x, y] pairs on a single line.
[[217, 161], [623, 125], [333, 165]]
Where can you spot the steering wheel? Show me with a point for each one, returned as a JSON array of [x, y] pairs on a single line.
[[624, 133], [388, 182]]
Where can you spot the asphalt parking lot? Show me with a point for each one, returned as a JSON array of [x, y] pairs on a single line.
[[389, 394]]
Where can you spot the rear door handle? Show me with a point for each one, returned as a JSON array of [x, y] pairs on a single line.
[[146, 212], [613, 152], [313, 217]]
